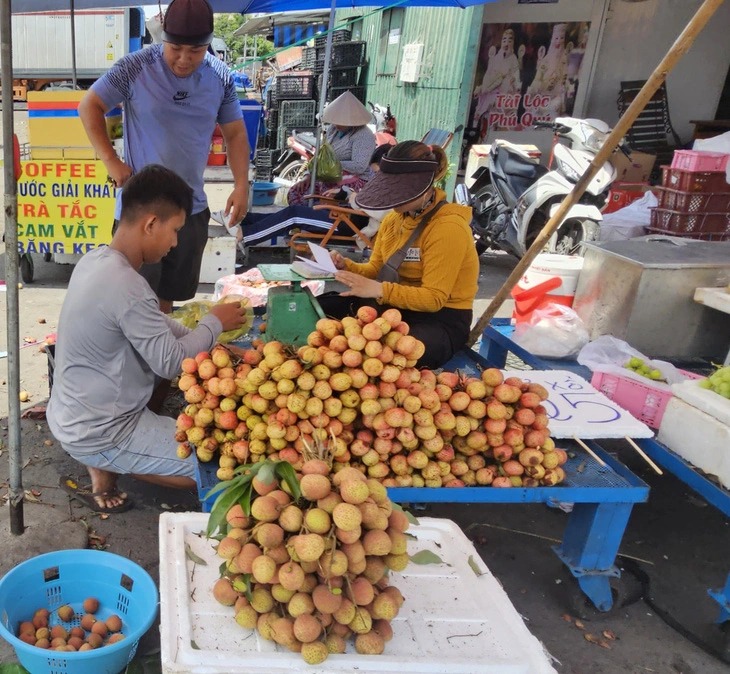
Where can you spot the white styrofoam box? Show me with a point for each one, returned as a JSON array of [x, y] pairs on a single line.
[[219, 258], [704, 399], [697, 437], [452, 622]]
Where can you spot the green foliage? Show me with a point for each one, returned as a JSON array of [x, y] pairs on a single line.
[[224, 25], [12, 668]]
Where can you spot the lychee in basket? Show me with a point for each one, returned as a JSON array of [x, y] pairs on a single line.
[[68, 577]]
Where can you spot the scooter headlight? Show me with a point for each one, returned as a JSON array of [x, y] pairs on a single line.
[[569, 172], [595, 141]]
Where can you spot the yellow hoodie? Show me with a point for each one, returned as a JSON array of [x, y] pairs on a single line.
[[442, 265]]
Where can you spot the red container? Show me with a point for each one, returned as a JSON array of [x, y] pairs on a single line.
[[622, 194], [693, 202], [696, 160], [692, 181], [216, 159], [645, 402]]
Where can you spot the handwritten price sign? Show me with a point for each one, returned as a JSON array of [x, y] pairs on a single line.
[[575, 408]]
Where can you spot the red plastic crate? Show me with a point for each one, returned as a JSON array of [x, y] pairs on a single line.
[[690, 223], [692, 202], [645, 402], [693, 181], [696, 160]]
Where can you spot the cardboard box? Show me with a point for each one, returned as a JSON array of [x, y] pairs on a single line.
[[634, 170]]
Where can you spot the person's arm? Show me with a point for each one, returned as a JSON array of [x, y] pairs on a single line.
[[91, 111], [363, 146], [442, 254], [371, 268], [237, 145], [230, 119], [178, 329], [147, 329]]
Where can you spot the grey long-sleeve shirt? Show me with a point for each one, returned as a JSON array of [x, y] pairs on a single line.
[[112, 343], [353, 149]]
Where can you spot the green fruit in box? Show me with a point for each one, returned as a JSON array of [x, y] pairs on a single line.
[[636, 362], [656, 374], [705, 383]]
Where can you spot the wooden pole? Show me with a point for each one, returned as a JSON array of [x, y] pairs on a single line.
[[678, 49]]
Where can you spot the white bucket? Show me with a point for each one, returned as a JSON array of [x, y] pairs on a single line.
[[549, 265], [551, 279]]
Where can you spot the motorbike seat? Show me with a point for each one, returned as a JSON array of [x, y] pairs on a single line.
[[516, 166], [306, 138]]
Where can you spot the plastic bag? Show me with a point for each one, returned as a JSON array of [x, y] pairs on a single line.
[[610, 354], [190, 314], [555, 331], [329, 169]]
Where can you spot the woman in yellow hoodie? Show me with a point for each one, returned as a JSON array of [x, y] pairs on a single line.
[[433, 281]]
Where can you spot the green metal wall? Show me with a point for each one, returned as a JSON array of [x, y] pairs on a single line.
[[441, 97]]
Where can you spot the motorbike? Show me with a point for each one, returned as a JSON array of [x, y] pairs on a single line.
[[514, 196], [300, 146], [292, 164], [385, 124]]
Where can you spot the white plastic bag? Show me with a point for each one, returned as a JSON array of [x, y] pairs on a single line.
[[555, 331], [610, 354]]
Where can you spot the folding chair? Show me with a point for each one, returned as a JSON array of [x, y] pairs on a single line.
[[652, 130], [438, 137], [339, 214]]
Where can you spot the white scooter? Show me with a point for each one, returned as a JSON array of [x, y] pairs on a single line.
[[514, 196]]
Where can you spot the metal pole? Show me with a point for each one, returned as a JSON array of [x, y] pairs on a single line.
[[675, 53], [323, 94], [11, 273], [73, 46]]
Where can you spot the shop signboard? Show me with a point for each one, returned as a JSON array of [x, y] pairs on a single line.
[[64, 207], [526, 72]]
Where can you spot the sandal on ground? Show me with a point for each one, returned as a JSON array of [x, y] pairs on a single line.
[[87, 497]]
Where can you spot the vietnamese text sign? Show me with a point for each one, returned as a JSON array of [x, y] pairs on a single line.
[[575, 408], [64, 206], [526, 73]]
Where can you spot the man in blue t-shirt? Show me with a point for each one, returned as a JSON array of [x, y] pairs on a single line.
[[173, 96]]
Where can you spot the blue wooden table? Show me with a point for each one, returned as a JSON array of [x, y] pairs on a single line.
[[497, 341]]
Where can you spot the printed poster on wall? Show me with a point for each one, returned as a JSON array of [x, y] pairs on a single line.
[[526, 73]]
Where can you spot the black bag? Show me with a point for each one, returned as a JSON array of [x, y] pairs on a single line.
[[389, 271]]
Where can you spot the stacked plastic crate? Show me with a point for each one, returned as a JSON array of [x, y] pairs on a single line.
[[347, 62], [694, 199]]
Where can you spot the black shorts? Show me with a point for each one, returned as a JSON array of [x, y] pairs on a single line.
[[175, 278]]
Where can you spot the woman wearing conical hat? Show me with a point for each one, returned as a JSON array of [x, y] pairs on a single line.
[[352, 142]]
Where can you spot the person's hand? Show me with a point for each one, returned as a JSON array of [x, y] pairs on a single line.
[[359, 286], [231, 315], [237, 204], [338, 260], [118, 171]]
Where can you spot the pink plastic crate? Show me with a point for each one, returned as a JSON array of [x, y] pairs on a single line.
[[645, 402], [695, 160]]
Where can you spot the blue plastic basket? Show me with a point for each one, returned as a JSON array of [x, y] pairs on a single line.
[[69, 577]]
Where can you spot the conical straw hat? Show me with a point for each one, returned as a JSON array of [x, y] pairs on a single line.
[[346, 110]]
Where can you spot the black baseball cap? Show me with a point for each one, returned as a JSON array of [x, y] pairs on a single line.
[[188, 22]]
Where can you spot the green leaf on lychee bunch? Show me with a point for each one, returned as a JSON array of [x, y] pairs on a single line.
[[223, 569], [287, 473], [411, 518], [425, 557], [267, 473], [226, 499], [193, 557]]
